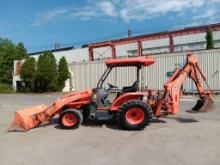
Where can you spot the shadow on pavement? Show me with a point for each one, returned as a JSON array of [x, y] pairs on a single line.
[[158, 121], [183, 120]]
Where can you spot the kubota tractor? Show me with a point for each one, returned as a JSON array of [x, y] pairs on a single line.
[[133, 106]]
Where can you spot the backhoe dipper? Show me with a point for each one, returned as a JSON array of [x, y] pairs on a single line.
[[133, 106]]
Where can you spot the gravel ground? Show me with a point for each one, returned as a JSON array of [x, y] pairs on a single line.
[[184, 139]]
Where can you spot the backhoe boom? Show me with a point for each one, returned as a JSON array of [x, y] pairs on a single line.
[[173, 88]]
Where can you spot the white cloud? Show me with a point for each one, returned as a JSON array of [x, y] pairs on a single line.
[[95, 9], [107, 8], [214, 1], [145, 9], [49, 16], [83, 13], [130, 10], [210, 13]]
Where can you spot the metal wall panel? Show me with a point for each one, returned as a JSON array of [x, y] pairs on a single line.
[[72, 56], [216, 35], [191, 46], [126, 50], [149, 47], [217, 44], [156, 43], [192, 38], [86, 75], [209, 61], [156, 50], [102, 53]]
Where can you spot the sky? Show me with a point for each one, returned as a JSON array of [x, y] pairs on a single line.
[[39, 24]]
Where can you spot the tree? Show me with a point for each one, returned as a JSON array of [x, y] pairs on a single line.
[[28, 73], [46, 76], [8, 53], [21, 51], [7, 60], [53, 85], [63, 73], [209, 40]]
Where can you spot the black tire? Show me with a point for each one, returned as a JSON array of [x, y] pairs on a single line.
[[141, 106], [74, 113]]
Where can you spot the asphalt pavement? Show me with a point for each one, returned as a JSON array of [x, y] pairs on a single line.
[[183, 139]]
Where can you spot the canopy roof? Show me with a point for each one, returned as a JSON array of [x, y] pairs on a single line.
[[133, 61]]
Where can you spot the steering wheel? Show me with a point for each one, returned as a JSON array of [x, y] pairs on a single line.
[[111, 86]]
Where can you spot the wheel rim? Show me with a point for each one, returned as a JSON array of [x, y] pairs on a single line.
[[69, 120], [135, 116]]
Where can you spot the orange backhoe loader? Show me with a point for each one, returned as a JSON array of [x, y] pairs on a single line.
[[133, 106]]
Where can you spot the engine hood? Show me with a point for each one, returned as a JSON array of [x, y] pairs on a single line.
[[83, 95]]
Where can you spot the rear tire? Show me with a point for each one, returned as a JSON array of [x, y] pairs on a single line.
[[134, 115], [70, 119]]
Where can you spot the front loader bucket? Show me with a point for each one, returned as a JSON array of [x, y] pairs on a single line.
[[26, 119], [203, 105]]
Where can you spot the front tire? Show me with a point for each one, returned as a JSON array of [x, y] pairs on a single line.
[[70, 119], [134, 115]]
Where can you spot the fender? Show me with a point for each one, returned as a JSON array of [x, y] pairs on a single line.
[[125, 97]]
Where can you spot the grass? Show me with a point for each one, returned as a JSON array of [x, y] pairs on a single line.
[[6, 88]]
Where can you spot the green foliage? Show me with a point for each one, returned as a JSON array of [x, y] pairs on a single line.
[[63, 73], [6, 63], [209, 40], [21, 52], [28, 73], [5, 88], [46, 76], [8, 53]]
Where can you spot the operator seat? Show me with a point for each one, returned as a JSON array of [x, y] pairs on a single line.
[[133, 88]]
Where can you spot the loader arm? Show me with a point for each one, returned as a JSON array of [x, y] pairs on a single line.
[[34, 116], [173, 87]]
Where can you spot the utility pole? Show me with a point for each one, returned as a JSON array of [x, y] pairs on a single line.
[[56, 45], [130, 33]]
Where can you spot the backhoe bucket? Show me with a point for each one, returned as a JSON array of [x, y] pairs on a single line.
[[26, 119], [203, 105]]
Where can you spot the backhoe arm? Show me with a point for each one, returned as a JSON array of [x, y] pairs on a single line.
[[173, 87]]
